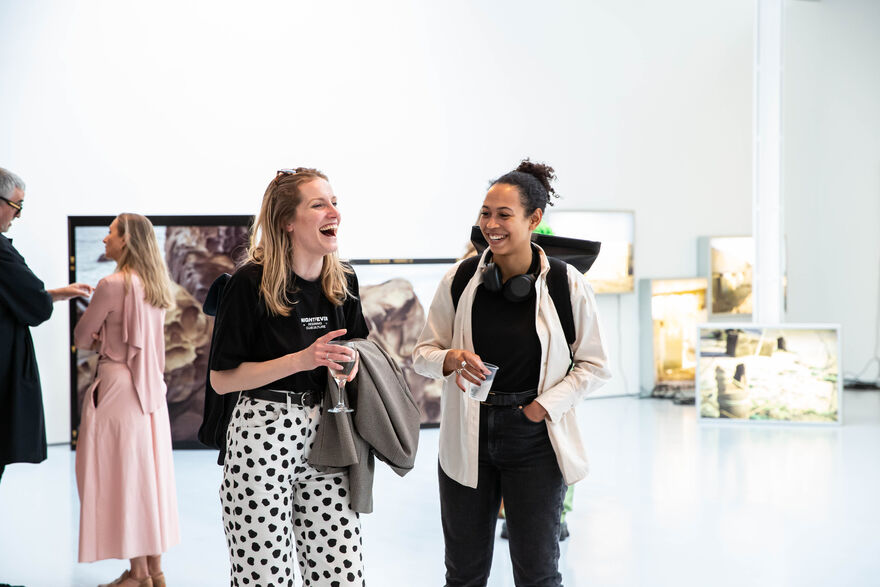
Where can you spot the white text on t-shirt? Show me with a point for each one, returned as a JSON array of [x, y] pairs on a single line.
[[315, 322]]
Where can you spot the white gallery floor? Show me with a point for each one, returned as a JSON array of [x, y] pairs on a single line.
[[669, 502]]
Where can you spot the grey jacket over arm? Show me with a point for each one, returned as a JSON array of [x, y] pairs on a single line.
[[385, 423]]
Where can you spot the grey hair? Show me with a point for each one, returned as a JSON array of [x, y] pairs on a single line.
[[8, 183]]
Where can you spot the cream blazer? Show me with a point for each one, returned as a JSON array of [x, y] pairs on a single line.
[[559, 390]]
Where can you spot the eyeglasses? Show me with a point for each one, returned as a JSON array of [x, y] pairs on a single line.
[[281, 172], [17, 205]]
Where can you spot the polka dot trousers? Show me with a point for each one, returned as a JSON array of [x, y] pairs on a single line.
[[275, 504]]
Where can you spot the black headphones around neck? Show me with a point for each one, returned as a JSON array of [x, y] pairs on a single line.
[[516, 289]]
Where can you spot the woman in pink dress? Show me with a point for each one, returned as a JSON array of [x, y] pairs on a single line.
[[124, 465]]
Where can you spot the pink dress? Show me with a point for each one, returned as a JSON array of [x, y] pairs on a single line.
[[124, 464]]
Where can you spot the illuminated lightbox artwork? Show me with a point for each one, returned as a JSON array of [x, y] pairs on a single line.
[[396, 295], [613, 270], [669, 311], [197, 249], [777, 373], [728, 262]]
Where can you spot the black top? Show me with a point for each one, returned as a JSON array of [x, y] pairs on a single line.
[[246, 332], [24, 302], [504, 334]]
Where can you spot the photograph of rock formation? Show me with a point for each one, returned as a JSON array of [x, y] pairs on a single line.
[[779, 373], [395, 299], [197, 250]]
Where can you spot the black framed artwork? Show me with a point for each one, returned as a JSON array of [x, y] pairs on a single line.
[[396, 295], [197, 249]]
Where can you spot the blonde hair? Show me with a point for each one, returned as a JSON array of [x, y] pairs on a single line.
[[141, 255], [271, 246]]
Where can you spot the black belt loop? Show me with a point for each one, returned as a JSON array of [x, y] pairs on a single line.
[[510, 399], [305, 398]]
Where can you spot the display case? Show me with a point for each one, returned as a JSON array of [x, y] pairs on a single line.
[[769, 373], [669, 311], [728, 264]]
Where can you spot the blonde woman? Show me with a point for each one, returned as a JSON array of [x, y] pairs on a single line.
[[272, 342], [124, 466]]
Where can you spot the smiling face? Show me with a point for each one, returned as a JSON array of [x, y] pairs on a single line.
[[9, 213], [315, 222], [114, 242], [504, 222]]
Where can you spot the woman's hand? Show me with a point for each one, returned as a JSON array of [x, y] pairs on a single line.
[[467, 365], [96, 337], [322, 353], [534, 412], [252, 375], [71, 291]]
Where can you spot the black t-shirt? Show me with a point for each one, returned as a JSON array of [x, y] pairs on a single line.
[[504, 334], [246, 332]]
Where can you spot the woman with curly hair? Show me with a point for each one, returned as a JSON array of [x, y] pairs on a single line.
[[522, 441]]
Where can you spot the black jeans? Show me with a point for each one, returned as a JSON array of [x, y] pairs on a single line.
[[516, 461]]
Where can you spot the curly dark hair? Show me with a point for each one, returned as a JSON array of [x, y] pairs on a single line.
[[533, 181]]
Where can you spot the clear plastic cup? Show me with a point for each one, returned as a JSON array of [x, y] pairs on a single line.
[[481, 392]]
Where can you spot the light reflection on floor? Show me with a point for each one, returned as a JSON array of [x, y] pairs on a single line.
[[669, 502]]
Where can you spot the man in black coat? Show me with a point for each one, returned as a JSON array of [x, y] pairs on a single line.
[[24, 302]]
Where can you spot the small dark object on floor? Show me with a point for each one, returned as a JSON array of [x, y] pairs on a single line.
[[673, 389], [563, 531], [684, 400]]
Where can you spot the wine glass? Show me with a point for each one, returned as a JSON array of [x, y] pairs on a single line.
[[341, 377]]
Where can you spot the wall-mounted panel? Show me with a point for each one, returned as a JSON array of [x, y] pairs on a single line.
[[613, 270]]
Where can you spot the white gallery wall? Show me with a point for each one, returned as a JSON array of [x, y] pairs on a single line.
[[190, 107], [831, 170]]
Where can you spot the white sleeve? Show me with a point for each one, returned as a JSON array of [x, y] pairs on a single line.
[[590, 370], [436, 336]]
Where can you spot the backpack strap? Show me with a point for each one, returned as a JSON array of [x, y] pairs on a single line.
[[557, 284], [557, 287], [463, 274]]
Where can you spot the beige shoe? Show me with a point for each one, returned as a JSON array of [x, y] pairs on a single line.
[[159, 580], [126, 580]]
